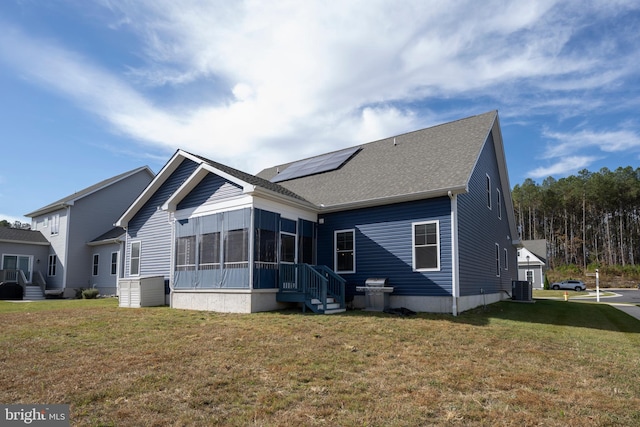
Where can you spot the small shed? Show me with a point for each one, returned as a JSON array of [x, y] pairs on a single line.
[[142, 292]]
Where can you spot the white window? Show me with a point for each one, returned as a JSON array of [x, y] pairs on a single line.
[[488, 188], [497, 260], [426, 246], [96, 262], [55, 224], [114, 263], [499, 203], [134, 259], [506, 259], [345, 255], [51, 266]]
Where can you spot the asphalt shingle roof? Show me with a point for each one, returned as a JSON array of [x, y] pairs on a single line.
[[8, 234], [79, 194], [251, 179], [114, 233], [438, 158]]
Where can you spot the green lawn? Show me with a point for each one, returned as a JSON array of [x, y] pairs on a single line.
[[551, 363]]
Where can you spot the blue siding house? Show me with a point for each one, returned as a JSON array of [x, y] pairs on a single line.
[[430, 211]]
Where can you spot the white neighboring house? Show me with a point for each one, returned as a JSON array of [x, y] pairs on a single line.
[[532, 262]]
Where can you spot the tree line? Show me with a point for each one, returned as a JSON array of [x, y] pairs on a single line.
[[588, 218]]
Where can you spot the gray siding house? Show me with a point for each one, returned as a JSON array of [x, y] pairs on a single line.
[[23, 256], [106, 260], [429, 211], [532, 262], [72, 224]]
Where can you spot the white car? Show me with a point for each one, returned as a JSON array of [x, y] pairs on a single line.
[[576, 285]]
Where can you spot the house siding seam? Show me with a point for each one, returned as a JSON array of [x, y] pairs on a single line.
[[383, 245], [151, 226], [211, 189], [481, 228]]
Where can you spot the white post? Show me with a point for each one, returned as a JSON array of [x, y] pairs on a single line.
[[597, 285]]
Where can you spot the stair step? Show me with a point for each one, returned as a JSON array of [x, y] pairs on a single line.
[[331, 306], [33, 293], [335, 311], [316, 301]]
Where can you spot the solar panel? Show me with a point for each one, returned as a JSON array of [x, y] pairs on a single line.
[[324, 163]]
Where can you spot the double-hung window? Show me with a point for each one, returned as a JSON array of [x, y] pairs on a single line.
[[55, 224], [96, 263], [426, 245], [51, 267], [345, 259], [114, 263], [134, 259], [497, 260]]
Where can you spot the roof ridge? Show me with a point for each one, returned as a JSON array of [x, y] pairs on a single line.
[[363, 144], [88, 190]]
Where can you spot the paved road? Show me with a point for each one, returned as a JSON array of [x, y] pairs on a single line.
[[630, 296]]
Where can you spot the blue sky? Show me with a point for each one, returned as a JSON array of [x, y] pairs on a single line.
[[90, 89]]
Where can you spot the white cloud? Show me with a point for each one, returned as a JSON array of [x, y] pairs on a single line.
[[606, 141], [565, 166], [296, 78]]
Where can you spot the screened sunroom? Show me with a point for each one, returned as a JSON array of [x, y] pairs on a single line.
[[239, 249]]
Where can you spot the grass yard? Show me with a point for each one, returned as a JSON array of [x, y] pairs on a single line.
[[551, 363]]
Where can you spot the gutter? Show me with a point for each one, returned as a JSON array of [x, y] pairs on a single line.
[[394, 199]]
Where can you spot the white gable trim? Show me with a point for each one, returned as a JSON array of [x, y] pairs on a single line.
[[533, 259], [196, 178], [154, 185], [248, 189]]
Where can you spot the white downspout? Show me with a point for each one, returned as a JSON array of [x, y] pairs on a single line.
[[172, 259], [455, 273]]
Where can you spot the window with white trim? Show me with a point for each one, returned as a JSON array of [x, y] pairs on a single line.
[[497, 260], [426, 245], [114, 263], [506, 259], [134, 259], [499, 202], [51, 266], [488, 188], [345, 255], [55, 224], [96, 263]]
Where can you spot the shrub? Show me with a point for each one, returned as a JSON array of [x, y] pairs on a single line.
[[79, 292], [90, 294]]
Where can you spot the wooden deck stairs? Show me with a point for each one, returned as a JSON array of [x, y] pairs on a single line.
[[317, 288]]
